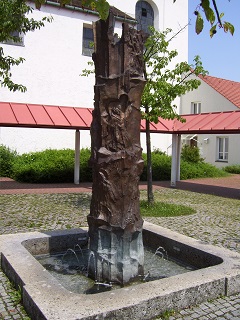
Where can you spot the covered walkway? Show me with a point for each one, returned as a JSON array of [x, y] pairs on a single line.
[[59, 117]]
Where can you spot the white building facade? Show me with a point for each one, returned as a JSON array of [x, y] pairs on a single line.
[[56, 55], [214, 95]]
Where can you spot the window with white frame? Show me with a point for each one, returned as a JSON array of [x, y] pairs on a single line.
[[88, 41], [195, 107], [222, 148]]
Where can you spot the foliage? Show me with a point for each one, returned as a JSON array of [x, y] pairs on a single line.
[[164, 209], [158, 151], [13, 17], [190, 170], [161, 167], [101, 6], [210, 14], [42, 167], [85, 168], [233, 169], [163, 84], [191, 154], [50, 166], [7, 157]]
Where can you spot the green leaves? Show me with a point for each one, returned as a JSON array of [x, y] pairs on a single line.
[[6, 62], [101, 6], [210, 15], [163, 84], [227, 26], [199, 24], [38, 3]]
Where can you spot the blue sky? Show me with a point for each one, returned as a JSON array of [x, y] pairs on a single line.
[[220, 55]]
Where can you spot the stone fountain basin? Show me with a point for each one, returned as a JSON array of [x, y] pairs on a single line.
[[45, 298]]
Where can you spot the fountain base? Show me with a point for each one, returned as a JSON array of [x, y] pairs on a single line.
[[116, 256], [45, 298]]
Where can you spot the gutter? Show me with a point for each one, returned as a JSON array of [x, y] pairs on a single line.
[[88, 11]]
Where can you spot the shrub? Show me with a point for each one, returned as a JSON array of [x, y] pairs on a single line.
[[45, 166], [158, 151], [161, 167], [191, 154], [7, 157], [199, 170], [233, 169], [85, 168], [51, 166]]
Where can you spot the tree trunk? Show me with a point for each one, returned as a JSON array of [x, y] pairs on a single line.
[[149, 164]]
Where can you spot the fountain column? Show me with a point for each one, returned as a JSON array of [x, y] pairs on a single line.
[[115, 224]]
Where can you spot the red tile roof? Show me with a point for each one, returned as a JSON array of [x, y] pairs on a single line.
[[43, 116], [227, 88]]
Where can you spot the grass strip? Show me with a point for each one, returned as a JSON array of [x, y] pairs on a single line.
[[163, 209]]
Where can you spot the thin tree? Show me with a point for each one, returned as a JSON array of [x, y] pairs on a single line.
[[163, 86]]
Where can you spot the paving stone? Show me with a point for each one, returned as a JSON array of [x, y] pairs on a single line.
[[219, 313], [195, 315], [236, 313]]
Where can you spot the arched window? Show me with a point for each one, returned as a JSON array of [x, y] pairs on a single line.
[[144, 15]]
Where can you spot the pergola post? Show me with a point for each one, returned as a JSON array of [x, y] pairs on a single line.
[[77, 157], [176, 153]]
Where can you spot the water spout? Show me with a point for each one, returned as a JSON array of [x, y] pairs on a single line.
[[161, 251], [79, 247], [104, 284], [73, 252], [146, 276], [92, 257]]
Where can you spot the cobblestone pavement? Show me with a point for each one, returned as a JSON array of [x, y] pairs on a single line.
[[210, 223], [10, 308], [225, 308]]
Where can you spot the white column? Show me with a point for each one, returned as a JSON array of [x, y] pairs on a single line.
[[77, 157], [178, 156], [175, 168]]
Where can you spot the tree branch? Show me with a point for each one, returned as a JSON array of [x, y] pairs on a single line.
[[216, 10]]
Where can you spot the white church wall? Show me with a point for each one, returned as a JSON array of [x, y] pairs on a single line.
[[54, 62]]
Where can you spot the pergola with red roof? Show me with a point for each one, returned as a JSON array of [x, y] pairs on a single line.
[[59, 117]]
